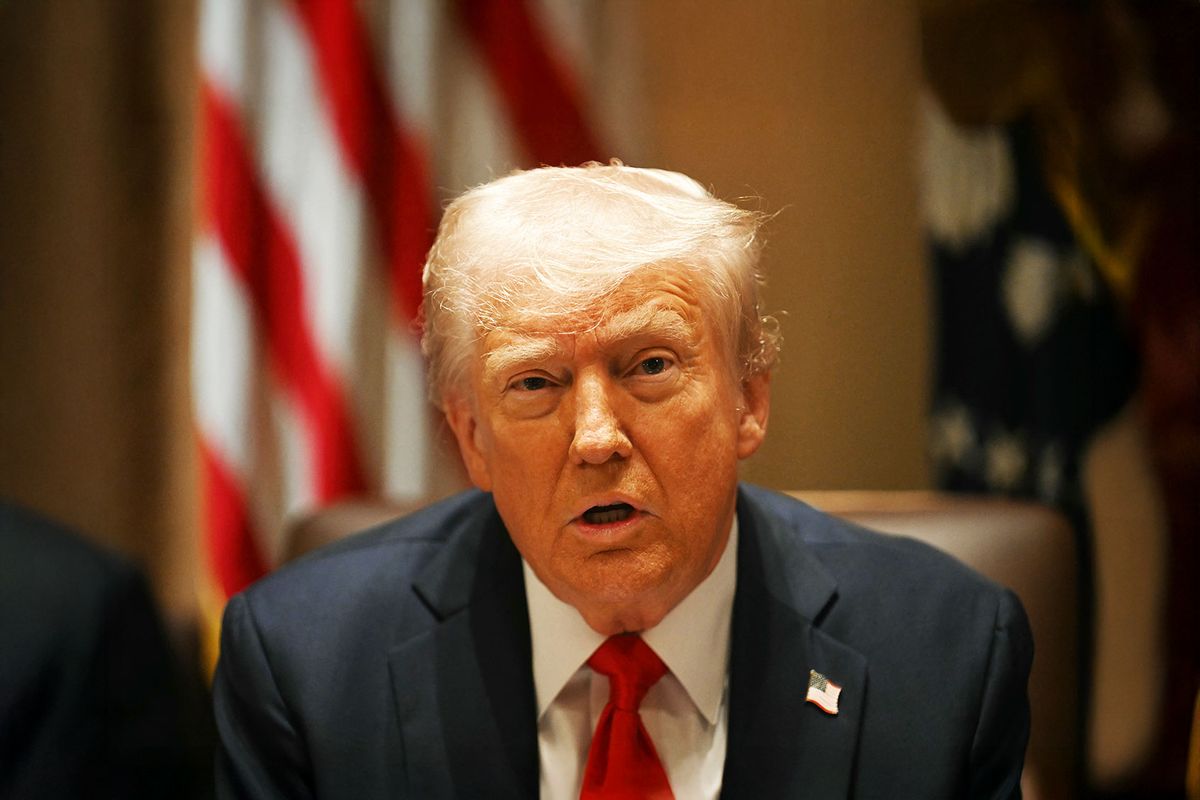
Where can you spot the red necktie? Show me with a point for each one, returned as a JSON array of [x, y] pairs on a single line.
[[622, 762]]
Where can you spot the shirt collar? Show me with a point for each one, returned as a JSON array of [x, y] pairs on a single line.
[[685, 640]]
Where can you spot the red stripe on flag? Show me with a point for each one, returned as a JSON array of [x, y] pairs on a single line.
[[381, 155], [265, 258], [232, 547], [541, 101]]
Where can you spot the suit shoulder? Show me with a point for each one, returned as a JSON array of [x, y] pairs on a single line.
[[856, 554], [54, 569], [895, 597]]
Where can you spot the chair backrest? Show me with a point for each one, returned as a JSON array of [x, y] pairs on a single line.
[[1028, 548], [307, 532]]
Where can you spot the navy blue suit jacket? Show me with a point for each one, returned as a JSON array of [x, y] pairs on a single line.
[[91, 704], [397, 664]]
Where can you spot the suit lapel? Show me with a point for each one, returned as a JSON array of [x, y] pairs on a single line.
[[779, 744], [464, 687], [463, 684]]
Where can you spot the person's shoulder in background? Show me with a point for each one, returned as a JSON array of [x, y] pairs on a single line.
[[90, 699]]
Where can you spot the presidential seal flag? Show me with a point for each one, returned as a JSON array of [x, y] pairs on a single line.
[[822, 692]]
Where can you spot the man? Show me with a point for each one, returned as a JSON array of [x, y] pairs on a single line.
[[612, 615]]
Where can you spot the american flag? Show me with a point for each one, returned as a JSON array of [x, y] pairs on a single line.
[[822, 692], [324, 128]]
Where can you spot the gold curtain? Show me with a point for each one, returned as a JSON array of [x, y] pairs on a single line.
[[96, 120]]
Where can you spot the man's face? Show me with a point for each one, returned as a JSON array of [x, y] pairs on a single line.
[[612, 454]]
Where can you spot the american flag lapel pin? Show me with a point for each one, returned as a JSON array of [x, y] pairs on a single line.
[[822, 692]]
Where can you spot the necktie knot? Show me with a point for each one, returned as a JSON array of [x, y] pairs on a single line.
[[631, 667], [622, 763]]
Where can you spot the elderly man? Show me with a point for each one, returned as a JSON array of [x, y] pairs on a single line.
[[611, 614]]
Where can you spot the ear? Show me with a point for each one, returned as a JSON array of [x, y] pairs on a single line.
[[461, 416], [755, 408]]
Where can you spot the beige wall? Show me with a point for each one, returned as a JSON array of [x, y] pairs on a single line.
[[811, 107]]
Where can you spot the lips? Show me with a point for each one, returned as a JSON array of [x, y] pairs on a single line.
[[608, 514]]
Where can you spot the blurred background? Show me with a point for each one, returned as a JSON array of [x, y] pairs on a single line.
[[983, 258]]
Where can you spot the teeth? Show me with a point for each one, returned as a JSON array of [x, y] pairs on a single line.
[[602, 515]]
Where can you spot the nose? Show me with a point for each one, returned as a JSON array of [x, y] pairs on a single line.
[[599, 435]]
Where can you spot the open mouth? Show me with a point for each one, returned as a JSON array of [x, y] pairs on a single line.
[[604, 515]]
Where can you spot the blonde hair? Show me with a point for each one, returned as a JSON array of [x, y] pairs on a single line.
[[552, 243]]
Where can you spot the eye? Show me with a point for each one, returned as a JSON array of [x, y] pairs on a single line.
[[653, 366], [658, 366], [530, 395], [530, 383], [533, 381]]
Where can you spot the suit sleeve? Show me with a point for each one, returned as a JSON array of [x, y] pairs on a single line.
[[998, 750], [260, 753]]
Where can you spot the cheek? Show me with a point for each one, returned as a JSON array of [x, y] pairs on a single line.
[[526, 446], [693, 445], [706, 421], [525, 462]]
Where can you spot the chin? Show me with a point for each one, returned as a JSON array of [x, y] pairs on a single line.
[[613, 620], [626, 606]]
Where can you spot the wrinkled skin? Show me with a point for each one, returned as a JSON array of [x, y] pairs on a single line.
[[640, 414]]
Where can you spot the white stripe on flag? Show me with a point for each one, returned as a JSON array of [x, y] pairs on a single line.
[[310, 183], [411, 48], [479, 144], [568, 28], [223, 51], [297, 489], [223, 355], [406, 457]]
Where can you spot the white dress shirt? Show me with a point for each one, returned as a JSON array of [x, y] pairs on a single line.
[[685, 713]]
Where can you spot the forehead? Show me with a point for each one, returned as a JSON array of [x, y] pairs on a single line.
[[659, 302], [620, 317], [605, 327]]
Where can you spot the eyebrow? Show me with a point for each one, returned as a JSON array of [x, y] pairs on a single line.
[[646, 321], [641, 322], [521, 350]]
